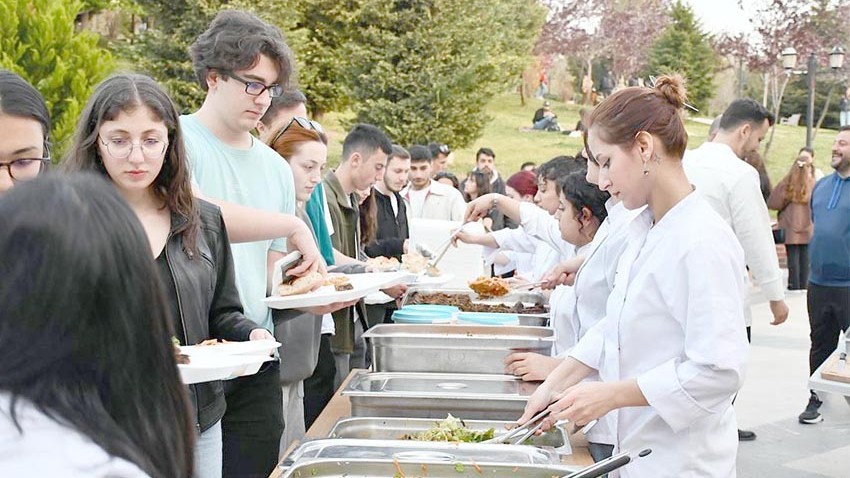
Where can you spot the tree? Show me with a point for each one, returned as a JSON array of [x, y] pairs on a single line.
[[162, 51], [424, 69], [611, 32], [684, 48], [806, 25], [38, 41]]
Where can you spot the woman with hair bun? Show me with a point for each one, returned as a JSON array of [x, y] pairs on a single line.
[[671, 351]]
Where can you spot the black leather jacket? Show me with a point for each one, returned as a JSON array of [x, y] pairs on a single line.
[[392, 227], [204, 300]]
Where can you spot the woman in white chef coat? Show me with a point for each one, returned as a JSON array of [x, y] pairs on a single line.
[[671, 351]]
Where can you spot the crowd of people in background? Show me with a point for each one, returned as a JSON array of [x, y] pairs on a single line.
[[166, 225]]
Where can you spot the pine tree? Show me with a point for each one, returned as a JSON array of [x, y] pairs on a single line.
[[38, 40], [424, 69], [684, 48]]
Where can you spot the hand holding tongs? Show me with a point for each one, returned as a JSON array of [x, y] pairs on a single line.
[[529, 428]]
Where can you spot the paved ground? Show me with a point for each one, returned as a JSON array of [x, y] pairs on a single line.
[[776, 392]]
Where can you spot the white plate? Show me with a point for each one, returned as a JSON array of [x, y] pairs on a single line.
[[364, 284], [248, 347], [206, 368], [437, 281]]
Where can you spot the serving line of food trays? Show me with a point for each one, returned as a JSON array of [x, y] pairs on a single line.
[[446, 348], [224, 360]]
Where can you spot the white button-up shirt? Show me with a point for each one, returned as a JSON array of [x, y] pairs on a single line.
[[675, 323], [731, 187]]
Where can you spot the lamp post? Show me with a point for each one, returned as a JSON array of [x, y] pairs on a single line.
[[789, 61]]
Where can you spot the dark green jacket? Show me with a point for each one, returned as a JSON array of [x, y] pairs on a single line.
[[346, 236]]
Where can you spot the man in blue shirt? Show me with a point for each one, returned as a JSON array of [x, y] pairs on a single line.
[[829, 257]]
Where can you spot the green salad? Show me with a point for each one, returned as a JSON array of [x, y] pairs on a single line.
[[451, 430]]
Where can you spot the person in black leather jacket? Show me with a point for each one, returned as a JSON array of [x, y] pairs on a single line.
[[391, 212], [129, 131]]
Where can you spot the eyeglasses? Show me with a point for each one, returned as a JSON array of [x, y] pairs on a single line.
[[120, 148], [255, 88], [24, 169], [304, 123]]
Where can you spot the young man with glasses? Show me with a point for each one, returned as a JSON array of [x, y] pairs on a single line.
[[242, 63]]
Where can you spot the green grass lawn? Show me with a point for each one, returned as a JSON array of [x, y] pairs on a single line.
[[513, 146]]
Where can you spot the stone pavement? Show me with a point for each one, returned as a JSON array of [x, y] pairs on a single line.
[[775, 392]]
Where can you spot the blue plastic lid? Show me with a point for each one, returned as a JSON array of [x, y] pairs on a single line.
[[430, 308], [421, 319], [484, 318]]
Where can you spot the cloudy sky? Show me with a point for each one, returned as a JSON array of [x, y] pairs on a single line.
[[720, 15]]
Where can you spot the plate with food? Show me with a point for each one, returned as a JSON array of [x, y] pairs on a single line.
[[332, 288], [207, 368], [382, 264], [226, 347]]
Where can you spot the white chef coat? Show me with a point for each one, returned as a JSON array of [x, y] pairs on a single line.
[[533, 257], [562, 304], [731, 187], [594, 283], [538, 223], [675, 324]]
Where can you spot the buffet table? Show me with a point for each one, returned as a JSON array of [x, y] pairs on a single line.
[[340, 407]]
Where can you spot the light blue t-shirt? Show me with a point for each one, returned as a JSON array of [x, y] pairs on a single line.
[[257, 178]]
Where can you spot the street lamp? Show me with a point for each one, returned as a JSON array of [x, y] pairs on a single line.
[[789, 61]]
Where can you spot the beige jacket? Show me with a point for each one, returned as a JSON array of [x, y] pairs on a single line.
[[442, 202]]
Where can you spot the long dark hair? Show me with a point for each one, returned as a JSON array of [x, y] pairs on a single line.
[[482, 184], [125, 92], [85, 333], [19, 98]]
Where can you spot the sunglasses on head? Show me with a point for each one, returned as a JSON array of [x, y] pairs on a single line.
[[304, 123]]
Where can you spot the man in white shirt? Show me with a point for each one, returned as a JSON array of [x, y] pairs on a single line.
[[732, 188], [430, 199]]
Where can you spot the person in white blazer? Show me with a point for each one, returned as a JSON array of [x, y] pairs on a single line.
[[671, 351]]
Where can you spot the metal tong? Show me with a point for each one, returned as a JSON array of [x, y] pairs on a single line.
[[526, 430], [523, 431], [529, 286], [444, 247]]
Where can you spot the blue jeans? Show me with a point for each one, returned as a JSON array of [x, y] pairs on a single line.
[[208, 453], [546, 123]]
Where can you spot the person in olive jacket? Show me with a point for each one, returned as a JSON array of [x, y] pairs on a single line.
[[129, 132]]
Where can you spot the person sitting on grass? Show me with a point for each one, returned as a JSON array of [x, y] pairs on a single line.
[[545, 119]]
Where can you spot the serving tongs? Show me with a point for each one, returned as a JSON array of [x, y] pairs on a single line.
[[526, 430], [444, 247], [528, 286]]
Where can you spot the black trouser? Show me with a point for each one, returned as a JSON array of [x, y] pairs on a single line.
[[319, 387], [252, 424], [829, 315], [798, 265]]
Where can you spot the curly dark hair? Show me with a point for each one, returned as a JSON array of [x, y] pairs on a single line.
[[581, 194], [234, 41]]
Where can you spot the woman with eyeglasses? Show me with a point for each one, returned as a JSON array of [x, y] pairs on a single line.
[[24, 129], [129, 132]]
